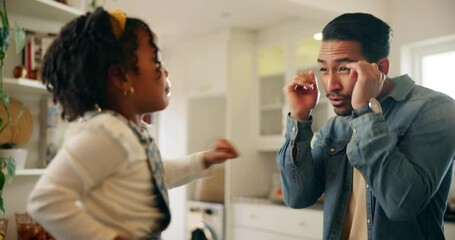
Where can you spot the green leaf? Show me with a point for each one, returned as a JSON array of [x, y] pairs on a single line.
[[2, 207], [4, 99], [4, 39], [93, 4], [19, 34], [2, 183], [4, 14], [4, 20], [3, 95], [2, 180], [19, 114], [11, 169]]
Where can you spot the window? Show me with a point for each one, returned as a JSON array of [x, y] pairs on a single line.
[[437, 73], [430, 63]]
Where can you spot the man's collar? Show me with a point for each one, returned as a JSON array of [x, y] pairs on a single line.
[[403, 85]]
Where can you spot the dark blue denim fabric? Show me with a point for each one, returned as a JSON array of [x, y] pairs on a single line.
[[405, 154]]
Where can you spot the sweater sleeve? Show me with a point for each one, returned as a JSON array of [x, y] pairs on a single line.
[[184, 170], [83, 163]]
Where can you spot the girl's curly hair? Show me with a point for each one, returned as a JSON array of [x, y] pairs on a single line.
[[75, 66]]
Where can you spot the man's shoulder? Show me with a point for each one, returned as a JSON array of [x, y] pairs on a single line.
[[427, 96]]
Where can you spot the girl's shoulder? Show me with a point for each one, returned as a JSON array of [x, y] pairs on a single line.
[[110, 125], [101, 123]]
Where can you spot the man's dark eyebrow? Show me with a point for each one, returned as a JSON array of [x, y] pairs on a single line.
[[339, 60]]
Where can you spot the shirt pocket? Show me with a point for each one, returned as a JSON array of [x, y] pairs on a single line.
[[334, 155]]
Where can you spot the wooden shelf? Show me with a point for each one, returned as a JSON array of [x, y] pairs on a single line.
[[43, 9], [24, 85], [30, 171]]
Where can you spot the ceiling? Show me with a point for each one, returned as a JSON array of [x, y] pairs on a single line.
[[174, 20]]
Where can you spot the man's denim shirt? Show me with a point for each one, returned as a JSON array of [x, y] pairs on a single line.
[[405, 155]]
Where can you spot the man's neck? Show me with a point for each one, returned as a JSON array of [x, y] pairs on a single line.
[[386, 88]]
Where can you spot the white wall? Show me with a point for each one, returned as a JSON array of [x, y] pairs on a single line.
[[184, 63], [378, 7], [417, 20], [172, 142], [411, 21]]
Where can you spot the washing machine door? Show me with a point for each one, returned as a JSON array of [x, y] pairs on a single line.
[[202, 232]]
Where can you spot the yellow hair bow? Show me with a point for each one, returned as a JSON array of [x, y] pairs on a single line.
[[118, 21]]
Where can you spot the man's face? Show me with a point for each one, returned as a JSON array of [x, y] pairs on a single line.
[[333, 57]]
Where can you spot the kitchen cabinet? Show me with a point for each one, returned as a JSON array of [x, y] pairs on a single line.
[[276, 66], [207, 80], [249, 233], [270, 221], [271, 79], [231, 107], [449, 230], [195, 119], [41, 16]]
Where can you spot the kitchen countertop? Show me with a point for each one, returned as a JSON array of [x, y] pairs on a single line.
[[267, 201], [448, 218]]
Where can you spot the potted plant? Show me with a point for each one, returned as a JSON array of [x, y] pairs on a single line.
[[7, 164], [13, 134]]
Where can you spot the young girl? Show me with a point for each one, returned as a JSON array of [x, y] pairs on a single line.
[[108, 180]]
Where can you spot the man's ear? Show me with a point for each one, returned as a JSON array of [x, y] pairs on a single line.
[[384, 65], [117, 77]]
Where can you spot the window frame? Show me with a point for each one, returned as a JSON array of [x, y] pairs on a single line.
[[413, 53]]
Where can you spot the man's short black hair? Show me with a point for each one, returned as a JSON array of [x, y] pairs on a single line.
[[373, 34]]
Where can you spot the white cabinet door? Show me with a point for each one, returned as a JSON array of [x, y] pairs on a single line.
[[243, 233], [279, 220], [449, 230], [271, 79], [206, 70]]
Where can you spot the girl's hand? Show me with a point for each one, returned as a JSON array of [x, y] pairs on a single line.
[[222, 151], [302, 95]]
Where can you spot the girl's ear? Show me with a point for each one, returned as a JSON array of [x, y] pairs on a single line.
[[116, 77]]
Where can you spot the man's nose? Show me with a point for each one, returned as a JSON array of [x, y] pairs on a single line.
[[333, 83]]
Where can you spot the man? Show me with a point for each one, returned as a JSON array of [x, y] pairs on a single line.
[[384, 162]]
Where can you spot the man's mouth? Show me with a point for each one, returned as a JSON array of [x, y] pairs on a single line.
[[338, 101]]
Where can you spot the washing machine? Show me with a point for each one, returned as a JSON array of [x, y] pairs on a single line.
[[205, 221]]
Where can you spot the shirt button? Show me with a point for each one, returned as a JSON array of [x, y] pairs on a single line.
[[354, 130], [332, 150], [293, 129], [368, 186], [368, 221]]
